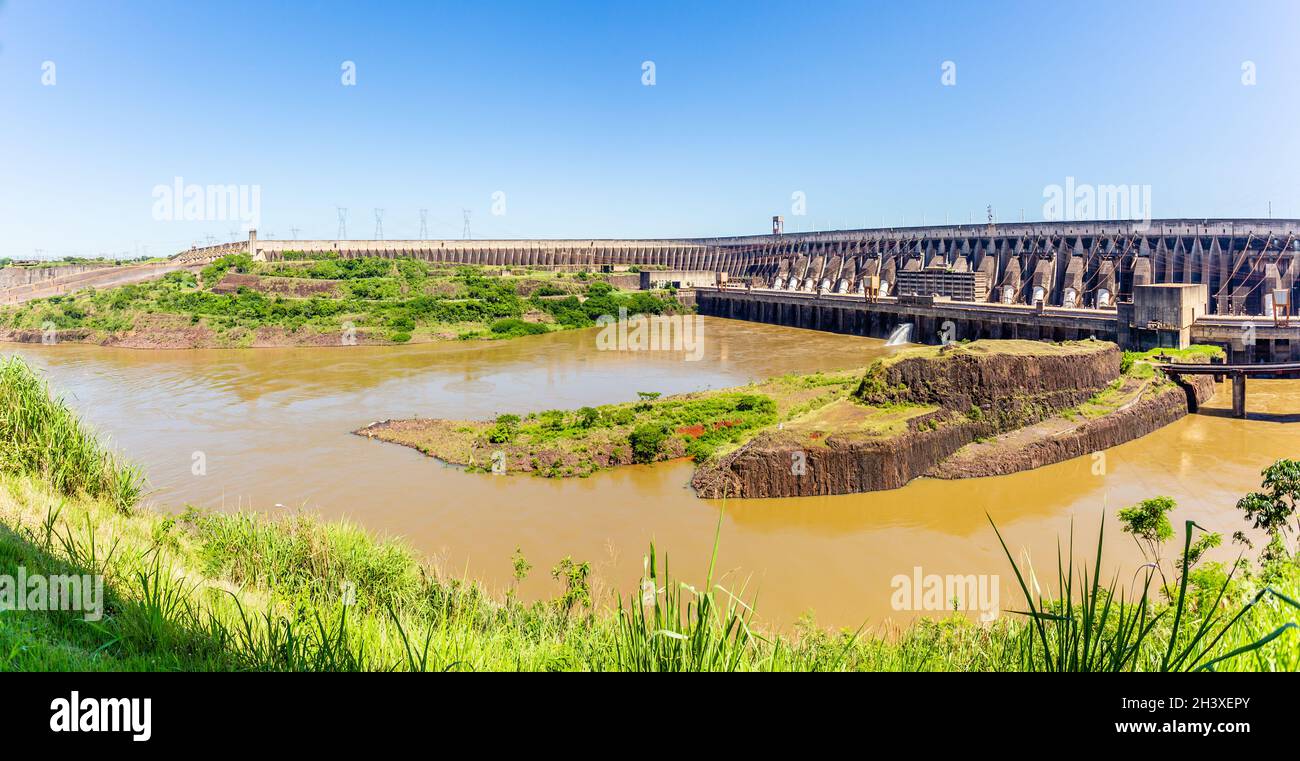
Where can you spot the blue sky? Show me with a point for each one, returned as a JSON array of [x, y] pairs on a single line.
[[752, 102]]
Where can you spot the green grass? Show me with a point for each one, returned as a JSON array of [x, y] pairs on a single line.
[[397, 300], [240, 592], [43, 437]]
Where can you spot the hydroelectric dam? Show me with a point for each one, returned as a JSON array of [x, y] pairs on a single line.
[[1163, 283]]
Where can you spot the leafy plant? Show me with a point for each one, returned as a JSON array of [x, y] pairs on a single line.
[[1272, 509]]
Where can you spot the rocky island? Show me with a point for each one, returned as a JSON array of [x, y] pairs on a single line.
[[962, 410]]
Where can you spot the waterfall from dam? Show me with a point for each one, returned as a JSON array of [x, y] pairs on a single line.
[[901, 335]]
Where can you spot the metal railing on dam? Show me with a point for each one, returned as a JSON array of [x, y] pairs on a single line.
[[1243, 262]]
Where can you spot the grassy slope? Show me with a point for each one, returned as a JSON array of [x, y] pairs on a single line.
[[386, 300], [242, 592]]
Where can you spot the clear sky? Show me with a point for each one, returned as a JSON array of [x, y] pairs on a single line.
[[545, 103]]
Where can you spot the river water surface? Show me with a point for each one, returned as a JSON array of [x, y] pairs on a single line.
[[272, 427]]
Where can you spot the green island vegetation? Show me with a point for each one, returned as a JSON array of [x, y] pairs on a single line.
[[236, 301], [707, 425], [248, 592], [559, 443]]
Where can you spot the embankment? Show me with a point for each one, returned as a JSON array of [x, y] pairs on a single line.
[[979, 389], [1154, 409], [1002, 407], [779, 465]]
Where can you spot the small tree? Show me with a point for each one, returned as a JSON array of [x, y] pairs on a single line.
[[521, 568], [1148, 522], [521, 565], [577, 589], [1272, 509]]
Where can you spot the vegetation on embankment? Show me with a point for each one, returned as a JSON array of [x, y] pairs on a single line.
[[236, 302], [242, 592]]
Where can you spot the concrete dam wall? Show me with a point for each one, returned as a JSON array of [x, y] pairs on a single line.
[[1242, 262]]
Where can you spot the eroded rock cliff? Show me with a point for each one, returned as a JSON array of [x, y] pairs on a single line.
[[977, 392]]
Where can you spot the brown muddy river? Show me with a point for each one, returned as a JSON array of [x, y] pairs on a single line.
[[273, 427]]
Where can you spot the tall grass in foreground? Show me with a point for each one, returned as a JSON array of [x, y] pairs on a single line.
[[1091, 627], [40, 436]]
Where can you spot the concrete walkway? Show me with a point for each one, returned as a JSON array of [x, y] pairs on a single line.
[[104, 277]]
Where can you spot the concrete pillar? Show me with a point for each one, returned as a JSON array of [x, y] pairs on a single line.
[[1239, 395]]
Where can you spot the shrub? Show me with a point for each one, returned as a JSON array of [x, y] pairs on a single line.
[[646, 441], [618, 416], [512, 327], [505, 429]]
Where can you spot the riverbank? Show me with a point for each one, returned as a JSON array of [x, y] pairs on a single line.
[[965, 410], [241, 591], [238, 303]]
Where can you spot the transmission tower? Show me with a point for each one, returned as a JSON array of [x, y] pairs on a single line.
[[294, 232], [424, 224], [234, 232], [343, 223], [379, 224], [465, 213]]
